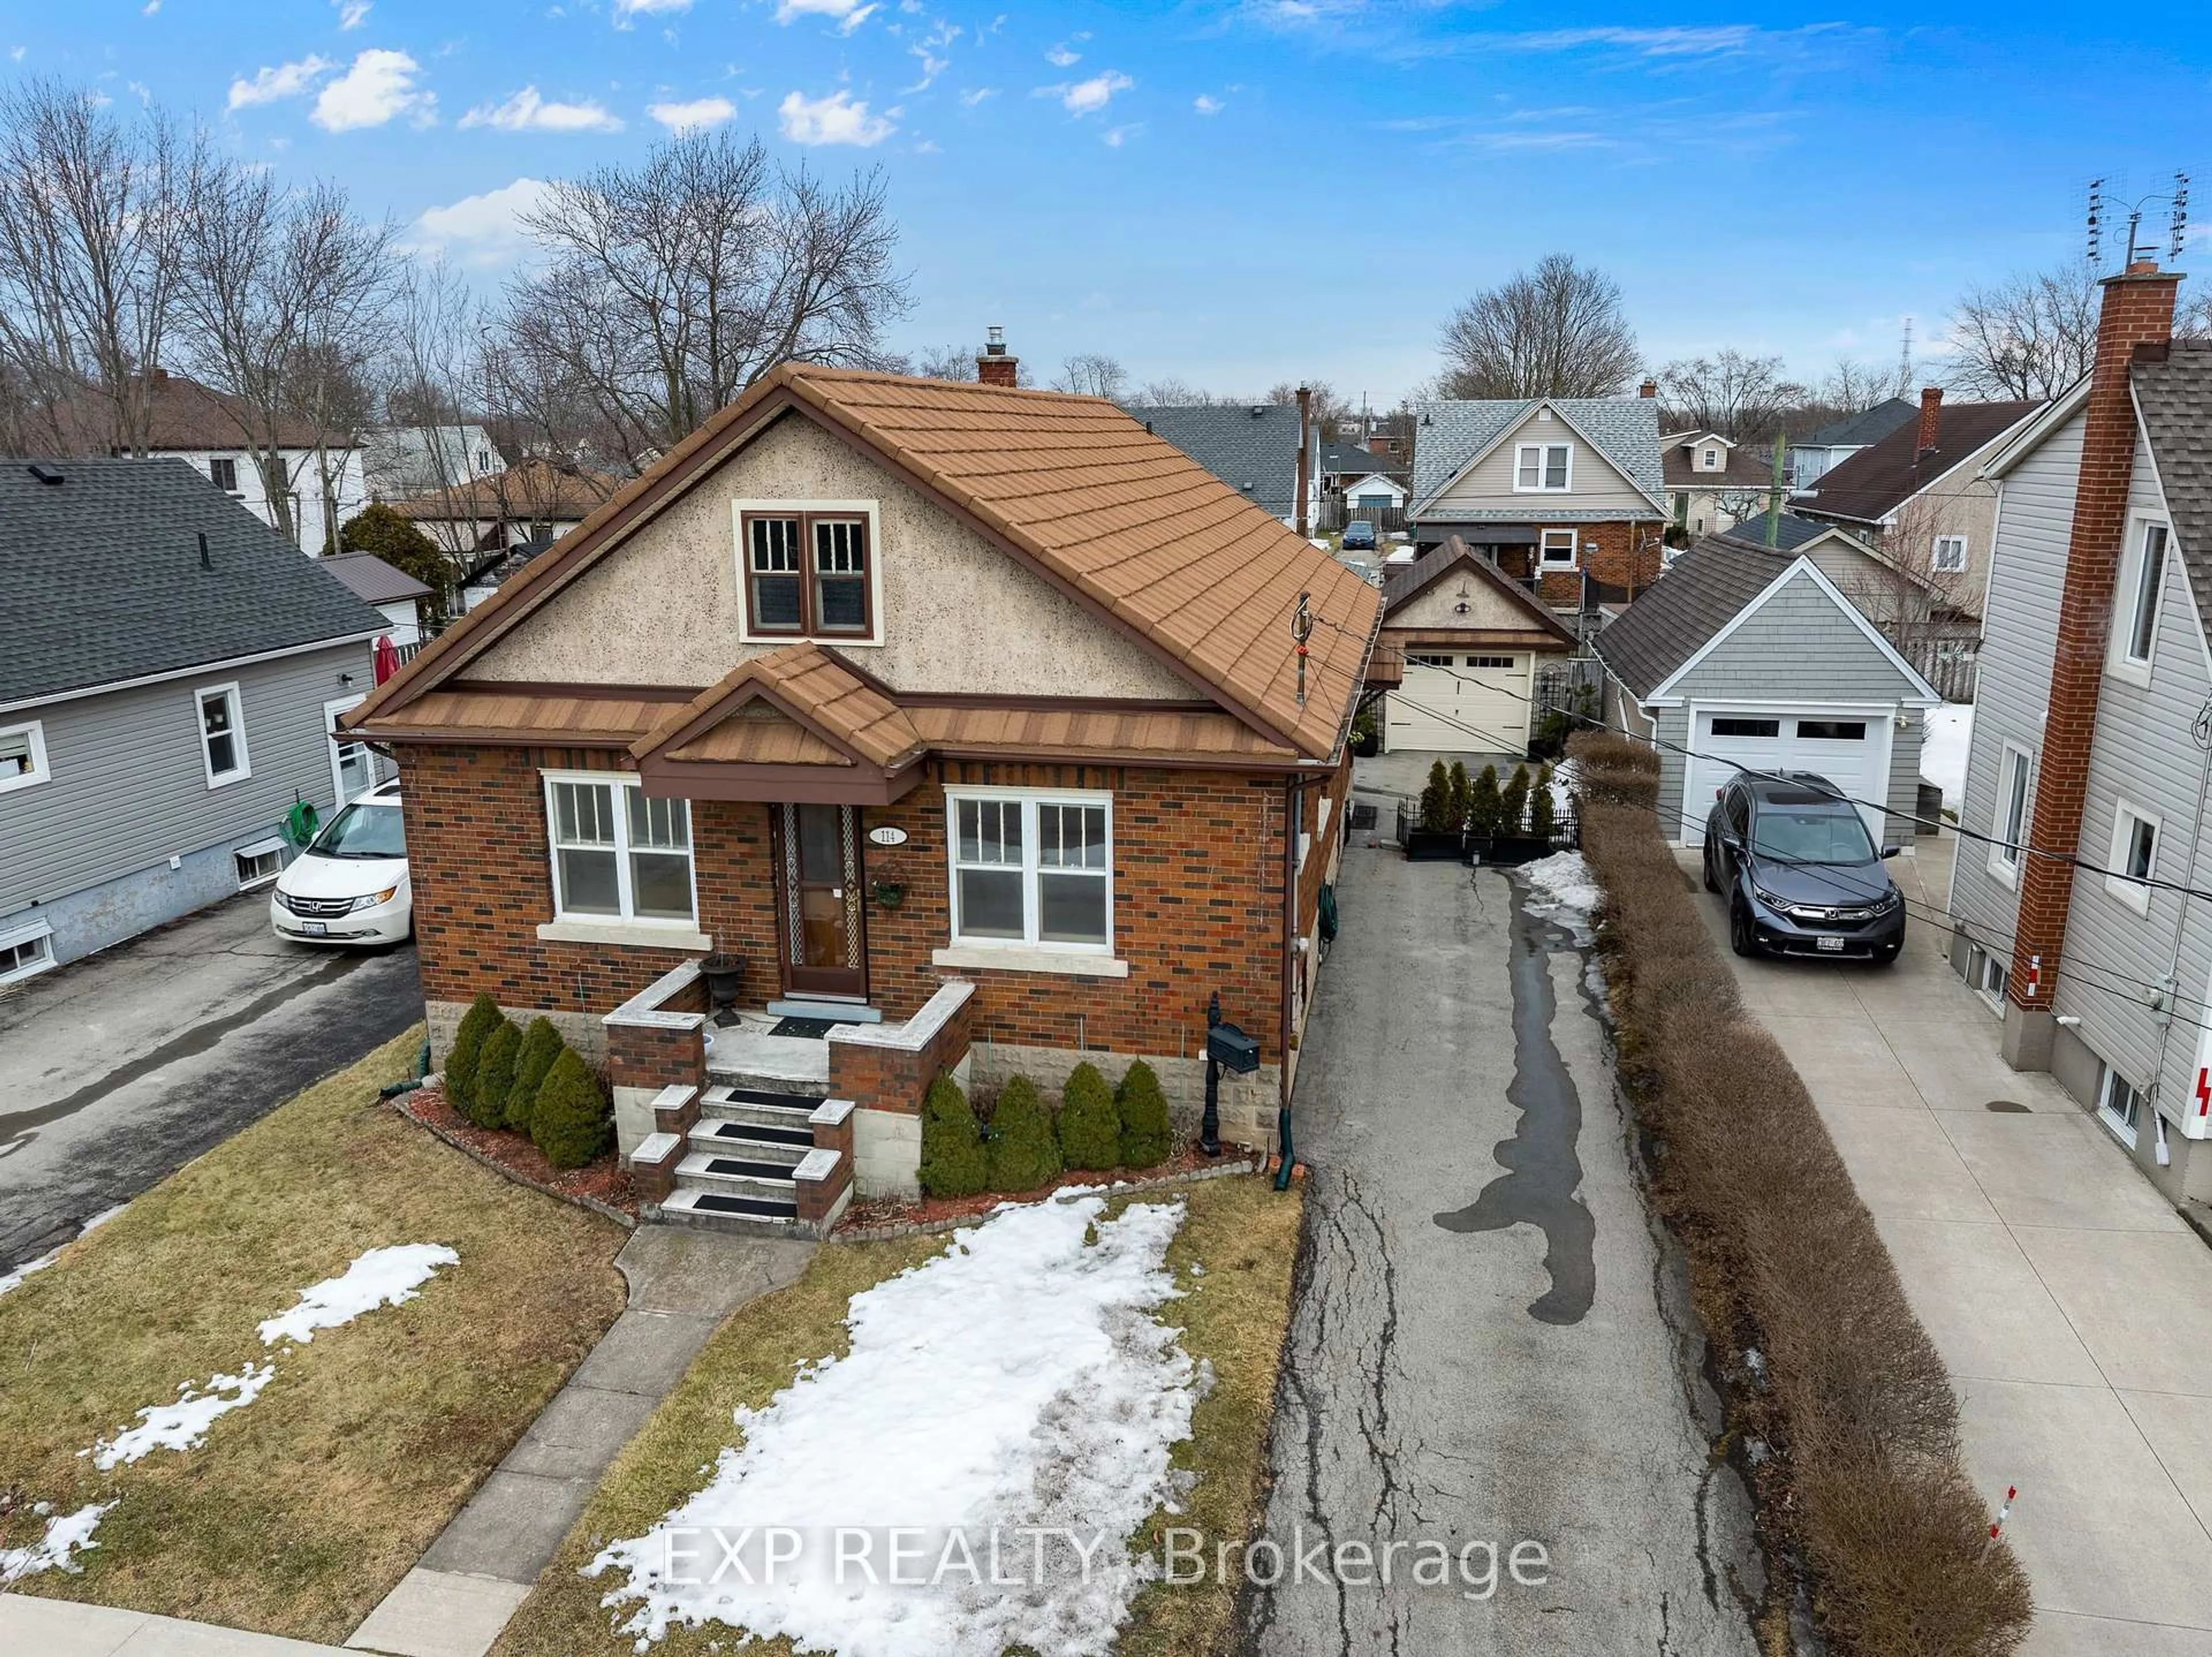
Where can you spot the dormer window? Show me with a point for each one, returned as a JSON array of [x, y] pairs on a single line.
[[1542, 466], [807, 571], [1712, 459]]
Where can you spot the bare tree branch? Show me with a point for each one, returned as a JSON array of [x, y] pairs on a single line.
[[1558, 331], [2027, 338]]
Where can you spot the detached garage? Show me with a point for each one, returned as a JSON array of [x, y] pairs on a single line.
[[1740, 658], [1473, 641]]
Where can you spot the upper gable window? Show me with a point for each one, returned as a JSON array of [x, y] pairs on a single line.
[[1712, 459], [807, 570], [1543, 466], [2135, 621]]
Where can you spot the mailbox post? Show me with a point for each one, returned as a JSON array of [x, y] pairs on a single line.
[[1225, 1044]]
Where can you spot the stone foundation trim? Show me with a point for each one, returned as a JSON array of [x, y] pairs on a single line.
[[624, 935], [916, 1032], [653, 1165], [675, 1109], [647, 1009], [887, 1153], [1066, 962], [831, 1113]]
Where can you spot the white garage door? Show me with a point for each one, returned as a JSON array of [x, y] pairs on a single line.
[[1460, 703], [1851, 749]]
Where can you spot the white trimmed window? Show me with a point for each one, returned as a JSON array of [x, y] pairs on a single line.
[[2015, 770], [2119, 1103], [1543, 466], [2134, 858], [1032, 869], [2135, 611], [1947, 556], [259, 863], [23, 757], [223, 733], [1712, 459], [26, 947], [1560, 549], [618, 856]]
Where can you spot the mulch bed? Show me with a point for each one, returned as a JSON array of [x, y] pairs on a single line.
[[875, 1218], [602, 1186]]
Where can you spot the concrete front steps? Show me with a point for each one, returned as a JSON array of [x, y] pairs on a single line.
[[749, 1159]]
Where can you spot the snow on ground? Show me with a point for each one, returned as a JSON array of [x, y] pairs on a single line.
[[1562, 888], [1943, 749], [1018, 1381], [1562, 786], [10, 1280], [383, 1276], [57, 1550], [183, 1425]]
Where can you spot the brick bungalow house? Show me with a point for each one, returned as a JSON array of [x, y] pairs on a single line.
[[973, 718]]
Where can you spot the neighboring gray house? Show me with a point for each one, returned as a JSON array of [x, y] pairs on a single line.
[[170, 669], [1810, 458], [1746, 659], [1252, 447], [2101, 977], [400, 463]]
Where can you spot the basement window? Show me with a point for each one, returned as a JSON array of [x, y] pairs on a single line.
[[259, 863], [26, 947], [2119, 1103], [23, 757]]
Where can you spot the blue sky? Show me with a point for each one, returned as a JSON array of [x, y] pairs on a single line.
[[1248, 191]]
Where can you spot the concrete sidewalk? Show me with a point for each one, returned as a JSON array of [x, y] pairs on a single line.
[[31, 1627], [2072, 1304]]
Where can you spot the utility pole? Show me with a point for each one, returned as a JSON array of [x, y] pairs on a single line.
[[1774, 498]]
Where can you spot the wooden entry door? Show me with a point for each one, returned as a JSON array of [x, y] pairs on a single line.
[[824, 951]]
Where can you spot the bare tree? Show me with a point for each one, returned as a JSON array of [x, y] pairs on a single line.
[[1732, 393], [91, 224], [1918, 606], [1092, 374], [1853, 387], [945, 363], [1167, 391], [1330, 410], [1558, 330], [2030, 337], [668, 287]]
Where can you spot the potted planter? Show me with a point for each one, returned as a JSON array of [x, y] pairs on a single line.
[[888, 894], [725, 979]]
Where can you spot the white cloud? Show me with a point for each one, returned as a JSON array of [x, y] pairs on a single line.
[[696, 112], [285, 81], [352, 14], [1206, 106], [379, 87], [626, 9], [848, 15], [1061, 58], [481, 229], [525, 111], [1089, 97], [834, 119], [1115, 137], [971, 99], [149, 8], [1671, 42], [15, 54]]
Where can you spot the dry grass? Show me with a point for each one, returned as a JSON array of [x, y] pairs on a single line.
[[1242, 1231], [1869, 1488], [303, 1509]]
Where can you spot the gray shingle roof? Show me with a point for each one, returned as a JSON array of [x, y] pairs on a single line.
[[1355, 460], [2176, 399], [1448, 434], [103, 575], [1867, 427], [1252, 447], [1792, 534], [1678, 614]]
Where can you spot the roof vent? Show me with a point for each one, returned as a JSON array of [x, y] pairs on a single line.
[[1259, 410], [47, 475], [206, 562]]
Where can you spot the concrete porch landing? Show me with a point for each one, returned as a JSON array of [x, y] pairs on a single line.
[[747, 1050]]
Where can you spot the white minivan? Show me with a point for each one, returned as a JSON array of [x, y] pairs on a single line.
[[349, 886]]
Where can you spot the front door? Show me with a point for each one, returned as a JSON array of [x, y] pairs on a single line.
[[824, 952]]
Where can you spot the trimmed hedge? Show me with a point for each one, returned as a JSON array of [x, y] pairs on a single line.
[[541, 1046], [1146, 1137], [482, 1017], [1024, 1148], [953, 1160], [495, 1075], [1090, 1121], [1866, 1486], [571, 1121]]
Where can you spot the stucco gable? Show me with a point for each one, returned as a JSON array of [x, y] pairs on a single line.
[[1438, 607], [959, 615]]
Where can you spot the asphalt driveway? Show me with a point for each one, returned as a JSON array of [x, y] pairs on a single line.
[[117, 1069], [1489, 1346]]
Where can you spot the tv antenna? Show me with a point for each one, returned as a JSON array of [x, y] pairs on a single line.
[[1905, 361], [2175, 199]]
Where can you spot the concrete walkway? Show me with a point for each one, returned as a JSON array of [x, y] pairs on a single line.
[[2072, 1304], [682, 1284]]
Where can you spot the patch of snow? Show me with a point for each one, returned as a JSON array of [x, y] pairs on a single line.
[[182, 1425], [1562, 787], [57, 1550], [1943, 749], [100, 1219], [1018, 1381], [1561, 887], [382, 1276], [16, 1277]]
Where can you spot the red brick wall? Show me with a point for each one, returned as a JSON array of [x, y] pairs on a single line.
[[1198, 900], [2138, 309], [895, 1078], [1627, 556]]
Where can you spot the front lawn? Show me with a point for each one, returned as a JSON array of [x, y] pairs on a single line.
[[1232, 1256], [303, 1506]]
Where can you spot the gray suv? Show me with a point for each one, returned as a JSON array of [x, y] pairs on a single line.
[[1800, 874]]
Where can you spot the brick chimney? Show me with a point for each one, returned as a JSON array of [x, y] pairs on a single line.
[[1648, 388], [994, 366], [1931, 419], [2137, 311], [1305, 457]]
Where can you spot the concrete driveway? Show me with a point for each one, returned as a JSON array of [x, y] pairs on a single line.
[[2073, 1305], [1488, 1346], [115, 1069]]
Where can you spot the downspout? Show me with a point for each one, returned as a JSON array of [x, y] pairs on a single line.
[[1293, 800]]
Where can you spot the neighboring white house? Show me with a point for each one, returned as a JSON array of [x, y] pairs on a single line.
[[1377, 491], [392, 593], [401, 463]]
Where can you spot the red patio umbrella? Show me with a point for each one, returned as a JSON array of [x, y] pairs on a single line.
[[388, 658]]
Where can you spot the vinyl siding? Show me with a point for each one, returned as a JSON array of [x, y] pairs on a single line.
[[2142, 753], [129, 787], [1797, 647], [2019, 633], [1598, 484]]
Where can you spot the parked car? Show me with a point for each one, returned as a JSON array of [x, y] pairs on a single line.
[[349, 886], [1800, 873], [1359, 536]]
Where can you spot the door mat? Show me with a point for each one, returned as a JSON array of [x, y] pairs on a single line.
[[806, 1029]]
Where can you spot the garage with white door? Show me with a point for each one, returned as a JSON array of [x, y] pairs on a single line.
[[1740, 658], [1474, 643]]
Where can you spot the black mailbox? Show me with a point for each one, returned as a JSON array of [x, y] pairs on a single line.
[[1232, 1049]]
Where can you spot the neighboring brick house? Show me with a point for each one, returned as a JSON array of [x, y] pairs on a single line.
[[1564, 493], [972, 716], [2090, 742]]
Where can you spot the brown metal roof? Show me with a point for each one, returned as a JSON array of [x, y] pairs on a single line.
[[532, 714], [1123, 521], [844, 717], [1402, 583], [532, 488], [1868, 486]]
